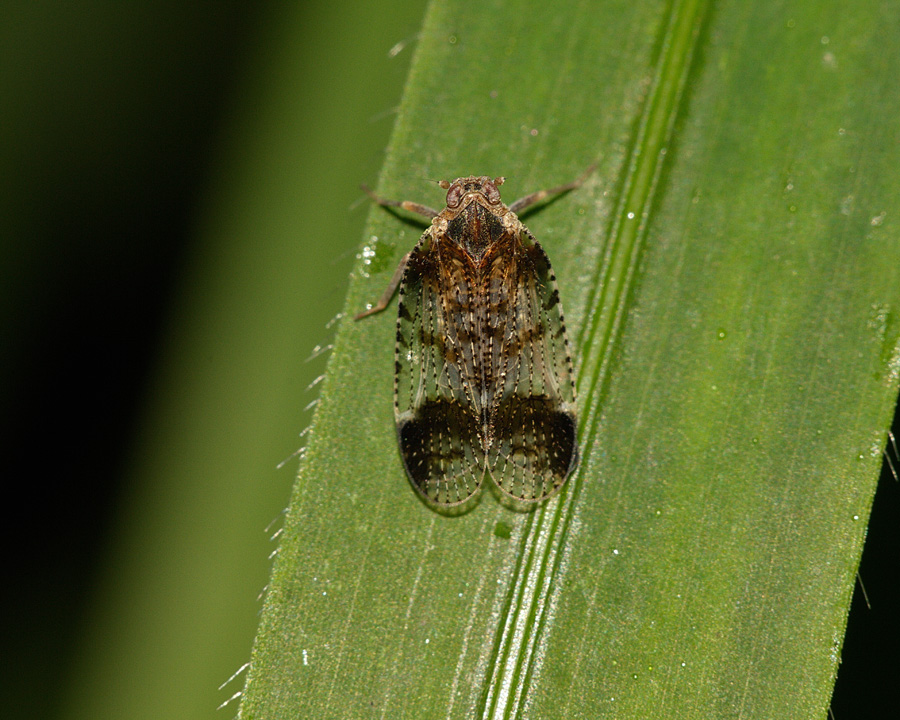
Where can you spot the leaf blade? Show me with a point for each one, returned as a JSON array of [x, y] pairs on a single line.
[[458, 603]]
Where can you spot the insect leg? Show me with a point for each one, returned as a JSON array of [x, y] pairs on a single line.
[[535, 197], [404, 204], [389, 290]]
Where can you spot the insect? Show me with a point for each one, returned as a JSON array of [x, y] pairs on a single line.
[[483, 379]]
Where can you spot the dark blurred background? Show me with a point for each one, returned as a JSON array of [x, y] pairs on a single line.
[[114, 119], [111, 115], [132, 135]]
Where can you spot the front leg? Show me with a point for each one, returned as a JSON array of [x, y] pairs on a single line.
[[407, 205], [536, 197], [398, 273]]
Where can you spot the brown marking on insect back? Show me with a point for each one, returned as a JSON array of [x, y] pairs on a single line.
[[525, 338], [539, 442], [483, 376], [440, 446]]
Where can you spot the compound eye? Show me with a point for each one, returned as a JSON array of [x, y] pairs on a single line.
[[491, 193], [454, 195]]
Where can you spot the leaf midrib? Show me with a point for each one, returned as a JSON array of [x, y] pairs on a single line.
[[538, 568]]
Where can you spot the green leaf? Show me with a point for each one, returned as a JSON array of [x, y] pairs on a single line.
[[730, 277]]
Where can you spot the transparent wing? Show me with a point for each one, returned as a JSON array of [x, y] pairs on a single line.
[[533, 444], [438, 424]]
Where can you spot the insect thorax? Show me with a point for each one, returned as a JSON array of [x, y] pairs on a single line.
[[476, 228]]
